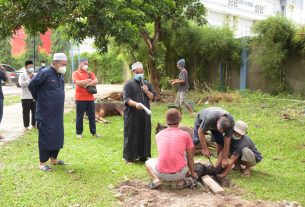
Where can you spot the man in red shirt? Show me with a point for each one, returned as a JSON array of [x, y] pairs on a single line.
[[83, 99], [173, 144]]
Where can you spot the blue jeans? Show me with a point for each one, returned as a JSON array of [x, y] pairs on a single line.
[[1, 109], [81, 108]]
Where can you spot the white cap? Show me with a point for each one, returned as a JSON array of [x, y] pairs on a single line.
[[241, 127], [60, 56], [136, 65]]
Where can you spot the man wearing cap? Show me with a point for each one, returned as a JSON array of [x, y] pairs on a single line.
[[43, 65], [243, 151], [173, 145], [28, 103], [183, 86], [220, 123], [83, 99], [48, 89], [3, 77], [137, 123]]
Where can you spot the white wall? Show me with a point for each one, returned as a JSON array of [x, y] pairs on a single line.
[[240, 15]]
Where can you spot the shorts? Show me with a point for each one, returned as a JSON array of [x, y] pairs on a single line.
[[152, 163], [248, 156], [181, 98]]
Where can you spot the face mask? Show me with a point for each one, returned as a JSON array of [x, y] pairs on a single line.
[[85, 67], [42, 64], [139, 76], [62, 70], [31, 70], [235, 137]]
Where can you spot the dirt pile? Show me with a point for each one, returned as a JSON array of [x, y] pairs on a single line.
[[137, 194]]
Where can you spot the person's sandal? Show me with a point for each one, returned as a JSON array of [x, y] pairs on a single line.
[[154, 185], [60, 162], [246, 174], [46, 168]]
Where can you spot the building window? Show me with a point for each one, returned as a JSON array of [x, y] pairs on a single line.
[[259, 9], [233, 3]]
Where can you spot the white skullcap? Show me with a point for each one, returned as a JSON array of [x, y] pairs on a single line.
[[136, 65], [60, 56]]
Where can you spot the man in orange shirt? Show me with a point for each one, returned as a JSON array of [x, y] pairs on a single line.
[[83, 99]]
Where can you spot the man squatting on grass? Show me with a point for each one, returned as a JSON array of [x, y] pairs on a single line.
[[220, 123], [48, 89], [243, 151], [172, 144]]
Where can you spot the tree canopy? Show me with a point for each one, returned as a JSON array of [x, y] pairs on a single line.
[[126, 21]]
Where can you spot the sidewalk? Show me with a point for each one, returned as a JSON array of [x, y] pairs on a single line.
[[11, 126]]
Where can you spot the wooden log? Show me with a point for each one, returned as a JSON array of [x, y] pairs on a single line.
[[211, 184]]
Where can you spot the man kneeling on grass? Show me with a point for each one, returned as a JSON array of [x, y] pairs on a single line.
[[243, 150], [172, 144]]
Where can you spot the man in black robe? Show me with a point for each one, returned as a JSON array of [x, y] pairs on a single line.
[[137, 123], [47, 88]]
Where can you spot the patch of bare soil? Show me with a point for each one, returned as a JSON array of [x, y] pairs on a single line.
[[137, 194]]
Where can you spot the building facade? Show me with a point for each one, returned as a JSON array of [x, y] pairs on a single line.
[[241, 15]]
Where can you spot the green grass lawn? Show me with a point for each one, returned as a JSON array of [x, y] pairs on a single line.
[[9, 100], [94, 164]]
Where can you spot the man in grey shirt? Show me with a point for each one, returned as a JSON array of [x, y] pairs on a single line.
[[220, 123], [183, 85]]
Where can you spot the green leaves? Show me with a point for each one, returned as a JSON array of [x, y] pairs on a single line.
[[273, 45]]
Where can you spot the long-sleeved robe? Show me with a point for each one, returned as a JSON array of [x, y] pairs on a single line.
[[47, 88], [137, 124]]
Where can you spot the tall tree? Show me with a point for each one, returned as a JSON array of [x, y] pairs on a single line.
[[130, 20], [5, 51], [33, 42], [125, 20], [34, 15], [274, 44], [60, 41]]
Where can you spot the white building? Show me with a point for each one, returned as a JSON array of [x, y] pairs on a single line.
[[240, 15]]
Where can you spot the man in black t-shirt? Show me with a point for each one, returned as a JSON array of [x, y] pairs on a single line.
[[243, 150], [220, 123], [3, 77]]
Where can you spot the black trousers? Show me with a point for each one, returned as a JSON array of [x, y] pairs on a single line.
[[81, 108], [44, 155], [28, 105]]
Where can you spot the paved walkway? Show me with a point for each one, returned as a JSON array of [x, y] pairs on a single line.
[[11, 126]]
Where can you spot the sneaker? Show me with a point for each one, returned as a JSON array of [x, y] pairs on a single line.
[[96, 135], [79, 136], [25, 129]]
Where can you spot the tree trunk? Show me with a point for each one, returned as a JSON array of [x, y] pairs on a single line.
[[154, 75], [150, 43]]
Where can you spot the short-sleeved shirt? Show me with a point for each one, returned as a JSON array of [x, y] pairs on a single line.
[[172, 144], [183, 87], [81, 94], [207, 119], [237, 146], [2, 78]]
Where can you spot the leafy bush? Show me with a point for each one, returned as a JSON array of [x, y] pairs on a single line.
[[107, 67], [273, 45]]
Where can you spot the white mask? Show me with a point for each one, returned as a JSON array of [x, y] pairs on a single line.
[[62, 70], [42, 64], [85, 67], [31, 70], [235, 137]]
